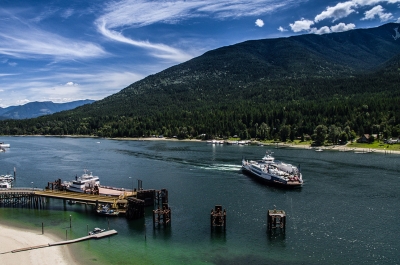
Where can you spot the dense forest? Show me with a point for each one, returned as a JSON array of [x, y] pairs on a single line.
[[280, 89]]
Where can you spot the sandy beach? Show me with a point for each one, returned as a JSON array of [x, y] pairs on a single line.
[[15, 238]]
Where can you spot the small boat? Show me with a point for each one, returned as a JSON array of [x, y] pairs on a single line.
[[105, 210], [96, 231], [3, 145], [274, 172], [318, 150]]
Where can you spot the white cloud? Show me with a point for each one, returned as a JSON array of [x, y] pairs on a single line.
[[259, 23], [281, 29], [300, 25], [71, 84], [377, 11], [322, 30], [339, 11], [343, 27]]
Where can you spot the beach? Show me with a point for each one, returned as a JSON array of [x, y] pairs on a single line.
[[16, 238]]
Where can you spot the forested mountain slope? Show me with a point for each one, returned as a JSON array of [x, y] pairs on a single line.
[[272, 88]]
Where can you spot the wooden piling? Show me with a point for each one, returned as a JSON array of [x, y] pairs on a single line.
[[218, 217], [162, 216], [276, 219]]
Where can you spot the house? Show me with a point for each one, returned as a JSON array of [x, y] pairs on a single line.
[[364, 139]]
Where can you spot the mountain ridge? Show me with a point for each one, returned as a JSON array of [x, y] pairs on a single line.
[[36, 109]]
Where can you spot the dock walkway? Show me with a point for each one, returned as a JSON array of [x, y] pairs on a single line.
[[95, 236]]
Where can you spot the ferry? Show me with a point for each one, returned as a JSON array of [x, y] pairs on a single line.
[[84, 182], [273, 172]]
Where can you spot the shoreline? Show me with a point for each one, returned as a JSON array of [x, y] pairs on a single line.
[[13, 238], [341, 148]]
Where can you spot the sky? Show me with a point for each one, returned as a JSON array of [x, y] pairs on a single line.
[[62, 51]]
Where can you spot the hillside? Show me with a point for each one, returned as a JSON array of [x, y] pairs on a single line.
[[272, 88], [36, 109]]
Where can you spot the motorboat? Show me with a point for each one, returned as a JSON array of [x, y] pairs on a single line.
[[3, 145], [105, 210], [96, 231]]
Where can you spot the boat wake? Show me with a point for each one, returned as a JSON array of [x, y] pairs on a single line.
[[221, 167]]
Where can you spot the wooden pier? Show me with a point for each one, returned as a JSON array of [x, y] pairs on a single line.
[[276, 219]]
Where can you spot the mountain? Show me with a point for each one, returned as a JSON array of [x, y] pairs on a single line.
[[284, 86], [36, 109]]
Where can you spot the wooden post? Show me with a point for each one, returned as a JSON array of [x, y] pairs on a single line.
[[42, 229]]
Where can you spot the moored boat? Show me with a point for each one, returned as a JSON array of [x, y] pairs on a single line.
[[83, 183], [5, 184], [274, 172], [96, 231], [105, 210]]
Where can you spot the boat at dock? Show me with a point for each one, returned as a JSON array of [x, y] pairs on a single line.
[[5, 184], [105, 210], [83, 183], [96, 231], [274, 172]]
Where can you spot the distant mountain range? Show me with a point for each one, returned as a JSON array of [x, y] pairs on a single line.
[[36, 109]]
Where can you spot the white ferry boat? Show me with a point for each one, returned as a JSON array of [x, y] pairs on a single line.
[[8, 178], [273, 172], [82, 183]]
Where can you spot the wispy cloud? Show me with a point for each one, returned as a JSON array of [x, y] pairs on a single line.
[[121, 15], [22, 40]]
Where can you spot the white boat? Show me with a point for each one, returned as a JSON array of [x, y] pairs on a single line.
[[318, 150], [273, 172], [83, 183], [96, 231], [5, 184], [8, 178], [3, 145]]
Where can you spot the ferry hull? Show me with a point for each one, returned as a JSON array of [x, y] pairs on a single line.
[[272, 181]]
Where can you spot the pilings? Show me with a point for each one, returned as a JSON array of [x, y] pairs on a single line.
[[276, 219], [162, 216], [135, 208], [218, 217], [21, 199]]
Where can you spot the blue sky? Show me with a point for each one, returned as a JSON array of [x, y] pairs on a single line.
[[61, 51]]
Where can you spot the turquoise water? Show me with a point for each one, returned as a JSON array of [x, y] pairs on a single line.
[[346, 213]]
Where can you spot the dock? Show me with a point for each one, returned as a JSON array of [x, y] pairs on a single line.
[[95, 236]]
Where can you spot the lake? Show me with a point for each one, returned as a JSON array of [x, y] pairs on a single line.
[[347, 211]]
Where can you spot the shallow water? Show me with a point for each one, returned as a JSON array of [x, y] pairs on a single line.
[[346, 212]]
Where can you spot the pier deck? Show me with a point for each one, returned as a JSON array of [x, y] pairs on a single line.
[[75, 196]]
